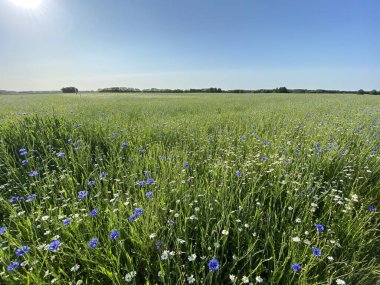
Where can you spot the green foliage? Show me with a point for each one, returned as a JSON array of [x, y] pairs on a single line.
[[69, 90], [321, 167]]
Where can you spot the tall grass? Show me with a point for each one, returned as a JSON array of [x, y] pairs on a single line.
[[244, 179]]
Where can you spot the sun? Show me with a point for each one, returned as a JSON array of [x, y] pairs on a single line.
[[27, 4]]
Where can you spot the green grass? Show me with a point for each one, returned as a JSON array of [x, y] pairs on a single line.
[[282, 144]]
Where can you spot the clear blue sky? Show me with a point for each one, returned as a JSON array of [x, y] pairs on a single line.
[[251, 44]]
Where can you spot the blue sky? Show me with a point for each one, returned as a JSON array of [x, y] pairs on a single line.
[[250, 44]]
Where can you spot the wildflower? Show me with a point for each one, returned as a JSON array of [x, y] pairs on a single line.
[[24, 250], [30, 197], [54, 245], [93, 242], [82, 194], [25, 162], [114, 234], [149, 195], [310, 188], [340, 282], [14, 199], [213, 264], [238, 173], [61, 154], [91, 183], [296, 267], [186, 165], [22, 151], [225, 232], [233, 278], [33, 173], [192, 257], [137, 212], [371, 208], [159, 245], [245, 279], [149, 181], [316, 251], [296, 239], [66, 222], [330, 258], [124, 144], [129, 276], [103, 175], [165, 255], [93, 212], [3, 230], [146, 172], [319, 227], [243, 138], [75, 268], [264, 158], [141, 183], [191, 279], [13, 265], [259, 279]]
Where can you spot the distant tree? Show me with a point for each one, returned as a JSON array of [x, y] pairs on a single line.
[[69, 90], [373, 92], [361, 92], [281, 90]]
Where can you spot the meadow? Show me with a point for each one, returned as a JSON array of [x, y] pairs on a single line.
[[189, 189]]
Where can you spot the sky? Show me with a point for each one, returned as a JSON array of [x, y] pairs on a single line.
[[229, 44]]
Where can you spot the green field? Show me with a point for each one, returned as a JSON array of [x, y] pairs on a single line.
[[259, 182]]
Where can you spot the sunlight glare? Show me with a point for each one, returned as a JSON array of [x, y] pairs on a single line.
[[27, 4]]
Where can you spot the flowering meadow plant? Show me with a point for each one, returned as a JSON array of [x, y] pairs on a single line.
[[189, 189]]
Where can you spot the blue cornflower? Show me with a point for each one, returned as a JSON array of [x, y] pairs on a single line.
[[77, 148], [296, 267], [31, 197], [66, 222], [3, 230], [69, 140], [141, 183], [24, 250], [319, 227], [238, 173], [266, 143], [13, 265], [33, 173], [25, 162], [61, 154], [103, 175], [371, 208], [91, 183], [138, 211], [149, 195], [82, 194], [146, 172], [124, 144], [14, 199], [93, 212], [341, 154], [186, 165], [93, 242], [159, 245], [22, 151], [264, 158], [143, 150], [243, 138], [114, 234], [54, 245], [310, 188], [149, 181], [316, 251], [213, 264], [171, 222]]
